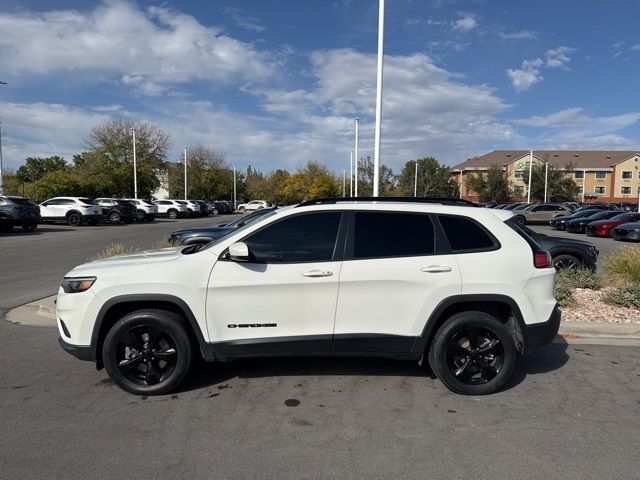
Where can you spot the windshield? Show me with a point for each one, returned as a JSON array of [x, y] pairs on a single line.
[[240, 229], [625, 216], [246, 219]]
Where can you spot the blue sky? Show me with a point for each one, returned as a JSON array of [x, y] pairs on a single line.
[[277, 83]]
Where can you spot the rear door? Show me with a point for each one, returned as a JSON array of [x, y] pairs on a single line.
[[392, 279]]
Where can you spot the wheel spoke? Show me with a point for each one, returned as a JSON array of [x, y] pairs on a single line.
[[488, 371], [462, 371], [154, 335], [152, 376], [491, 347], [130, 339], [126, 366], [473, 335], [168, 355], [455, 349]]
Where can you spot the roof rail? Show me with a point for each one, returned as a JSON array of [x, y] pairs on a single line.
[[441, 200]]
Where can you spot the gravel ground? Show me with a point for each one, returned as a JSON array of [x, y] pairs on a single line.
[[589, 307]]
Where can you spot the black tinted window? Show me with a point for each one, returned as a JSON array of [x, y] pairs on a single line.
[[388, 234], [465, 234], [303, 238]]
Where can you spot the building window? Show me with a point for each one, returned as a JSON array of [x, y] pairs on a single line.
[[580, 190], [600, 190], [518, 174], [579, 174], [625, 190], [601, 175], [518, 190], [627, 175]]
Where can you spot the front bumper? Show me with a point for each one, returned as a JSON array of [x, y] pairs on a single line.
[[575, 228], [538, 335], [81, 352], [627, 235]]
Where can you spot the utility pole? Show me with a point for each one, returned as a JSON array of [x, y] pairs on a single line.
[[355, 148], [185, 173], [234, 187], [1, 178], [415, 181], [546, 175], [135, 166], [460, 183], [530, 170], [376, 152], [584, 174], [351, 174], [344, 183]]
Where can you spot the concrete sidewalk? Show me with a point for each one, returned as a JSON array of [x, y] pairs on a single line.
[[42, 313]]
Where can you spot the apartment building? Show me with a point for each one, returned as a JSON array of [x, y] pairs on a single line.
[[603, 176]]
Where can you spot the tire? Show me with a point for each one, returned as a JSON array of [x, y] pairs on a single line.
[[150, 218], [140, 216], [215, 212], [241, 209], [172, 214], [29, 227], [473, 375], [147, 352], [74, 219], [566, 262], [6, 227], [114, 217], [520, 220]]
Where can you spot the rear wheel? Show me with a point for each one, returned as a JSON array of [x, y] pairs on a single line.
[[566, 262], [147, 352], [520, 220], [241, 209], [114, 217], [140, 215], [173, 214], [74, 219], [472, 353], [29, 227]]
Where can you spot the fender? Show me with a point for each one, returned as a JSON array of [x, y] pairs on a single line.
[[205, 348]]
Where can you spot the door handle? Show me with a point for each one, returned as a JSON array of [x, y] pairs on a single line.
[[317, 273], [436, 269]]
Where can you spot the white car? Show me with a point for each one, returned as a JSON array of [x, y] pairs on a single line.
[[463, 287], [194, 208], [253, 205], [171, 208], [146, 209], [72, 210]]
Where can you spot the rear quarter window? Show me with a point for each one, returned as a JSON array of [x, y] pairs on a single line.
[[466, 235]]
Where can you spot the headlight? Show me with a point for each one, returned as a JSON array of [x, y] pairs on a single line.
[[77, 284]]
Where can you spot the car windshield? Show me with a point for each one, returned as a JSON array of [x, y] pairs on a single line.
[[249, 218], [625, 216], [240, 229]]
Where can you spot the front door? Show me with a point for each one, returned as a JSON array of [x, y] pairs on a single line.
[[283, 301]]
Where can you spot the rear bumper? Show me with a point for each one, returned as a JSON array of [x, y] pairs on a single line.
[[538, 335], [81, 352]]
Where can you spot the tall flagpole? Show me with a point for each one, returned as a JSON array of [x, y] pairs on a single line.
[[530, 170], [355, 155], [234, 187], [185, 173], [376, 151], [415, 181], [546, 174], [351, 174], [135, 166]]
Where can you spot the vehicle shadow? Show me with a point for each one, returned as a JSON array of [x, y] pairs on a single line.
[[205, 374], [18, 232]]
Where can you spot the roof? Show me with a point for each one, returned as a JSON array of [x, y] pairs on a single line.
[[557, 158]]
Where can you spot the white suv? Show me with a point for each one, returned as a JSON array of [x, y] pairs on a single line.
[[146, 210], [171, 208], [72, 210], [462, 287], [253, 205]]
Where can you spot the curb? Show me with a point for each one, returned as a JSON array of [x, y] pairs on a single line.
[[40, 313]]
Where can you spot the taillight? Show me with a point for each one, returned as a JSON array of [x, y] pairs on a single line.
[[542, 259]]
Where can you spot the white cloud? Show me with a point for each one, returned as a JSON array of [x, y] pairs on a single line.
[[635, 47], [558, 57], [249, 23], [149, 49], [526, 76], [518, 35], [465, 23]]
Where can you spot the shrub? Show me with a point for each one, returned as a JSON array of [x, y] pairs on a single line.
[[568, 280], [625, 296], [113, 250], [622, 267]]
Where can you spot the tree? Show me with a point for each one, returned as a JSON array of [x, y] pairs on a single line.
[[311, 181], [433, 179], [37, 167], [387, 181], [208, 175], [560, 188], [58, 183], [490, 186]]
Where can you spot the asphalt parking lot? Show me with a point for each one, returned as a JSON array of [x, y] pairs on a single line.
[[571, 411]]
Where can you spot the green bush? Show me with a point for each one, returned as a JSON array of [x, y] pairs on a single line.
[[625, 296], [569, 280], [622, 267]]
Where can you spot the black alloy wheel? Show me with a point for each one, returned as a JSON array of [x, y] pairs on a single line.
[[147, 352], [74, 219], [114, 217], [566, 262], [475, 356]]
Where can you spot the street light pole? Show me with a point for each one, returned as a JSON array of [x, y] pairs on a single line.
[[355, 149], [1, 181], [135, 165], [344, 183], [234, 187], [530, 172], [376, 151], [185, 173], [351, 174], [460, 183], [415, 181], [584, 174], [546, 174]]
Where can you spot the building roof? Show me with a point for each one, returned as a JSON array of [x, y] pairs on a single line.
[[558, 158]]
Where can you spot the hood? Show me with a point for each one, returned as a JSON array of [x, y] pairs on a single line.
[[130, 260]]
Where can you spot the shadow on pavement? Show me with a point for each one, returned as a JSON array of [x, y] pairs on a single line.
[[549, 359]]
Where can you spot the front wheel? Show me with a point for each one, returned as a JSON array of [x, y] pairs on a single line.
[[29, 227], [241, 209], [147, 352], [472, 353], [173, 214], [114, 218]]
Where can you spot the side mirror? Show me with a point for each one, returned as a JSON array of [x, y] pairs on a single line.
[[239, 252]]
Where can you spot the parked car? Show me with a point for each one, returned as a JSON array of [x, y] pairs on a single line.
[[193, 236], [146, 211], [596, 206], [204, 208], [540, 213], [566, 253], [512, 206], [115, 210], [171, 208], [573, 206], [603, 228], [560, 223], [579, 225], [468, 303], [18, 212], [253, 205], [72, 210], [627, 231], [218, 208], [194, 209]]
